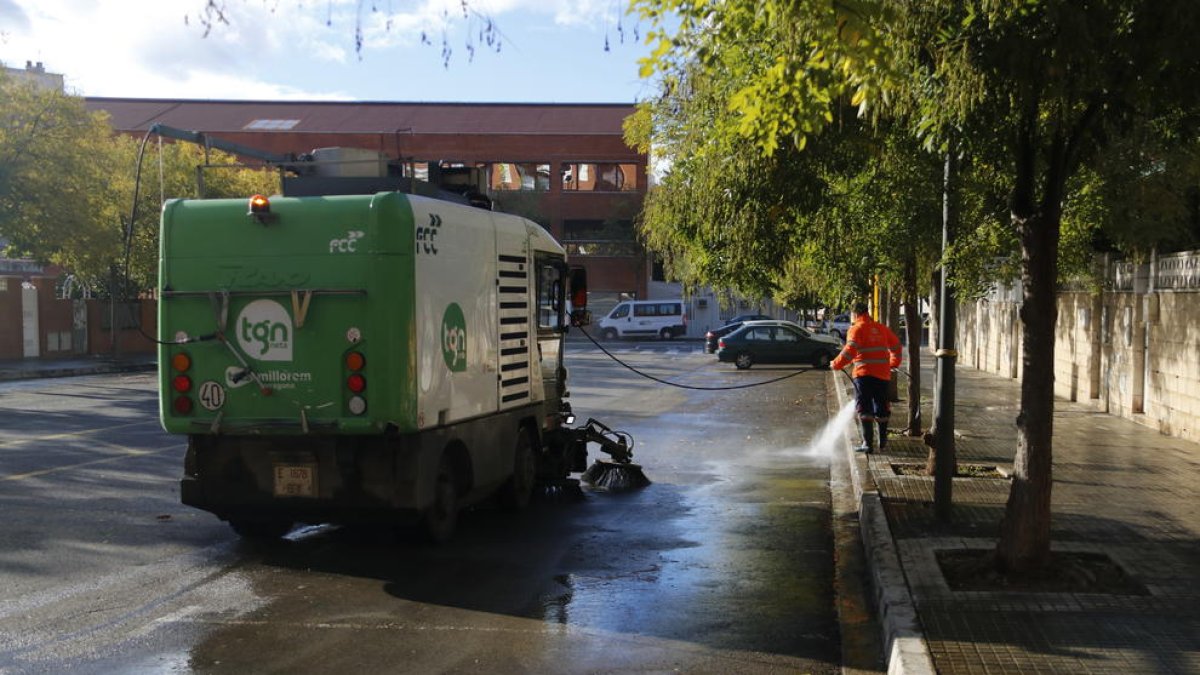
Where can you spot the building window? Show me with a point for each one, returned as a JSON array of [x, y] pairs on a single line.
[[416, 170], [271, 125], [613, 238], [658, 271], [525, 176], [594, 177], [595, 229], [457, 176]]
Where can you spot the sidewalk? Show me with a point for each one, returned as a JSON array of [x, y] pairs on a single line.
[[1119, 488], [27, 369]]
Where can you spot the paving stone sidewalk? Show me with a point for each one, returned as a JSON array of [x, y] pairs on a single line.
[[29, 369], [1120, 489]]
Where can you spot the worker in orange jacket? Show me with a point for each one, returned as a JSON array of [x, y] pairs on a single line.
[[874, 350]]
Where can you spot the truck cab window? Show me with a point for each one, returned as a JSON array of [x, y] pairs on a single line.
[[550, 297]]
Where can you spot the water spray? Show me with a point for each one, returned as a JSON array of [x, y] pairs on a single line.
[[824, 442]]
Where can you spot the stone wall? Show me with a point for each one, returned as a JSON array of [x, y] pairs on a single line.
[[1135, 354]]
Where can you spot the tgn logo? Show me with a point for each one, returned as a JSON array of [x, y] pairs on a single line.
[[454, 338], [264, 331]]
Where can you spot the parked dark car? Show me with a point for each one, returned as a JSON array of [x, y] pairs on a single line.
[[711, 337], [776, 342], [743, 318]]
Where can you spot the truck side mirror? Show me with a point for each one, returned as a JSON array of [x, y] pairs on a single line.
[[580, 316]]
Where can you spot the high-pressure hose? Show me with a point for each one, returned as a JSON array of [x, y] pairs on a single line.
[[688, 386]]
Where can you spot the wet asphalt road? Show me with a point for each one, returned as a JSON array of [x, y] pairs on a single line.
[[723, 565]]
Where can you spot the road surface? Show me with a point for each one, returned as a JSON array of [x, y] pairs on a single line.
[[723, 565]]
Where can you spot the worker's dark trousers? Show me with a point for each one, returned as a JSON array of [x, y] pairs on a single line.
[[873, 407]]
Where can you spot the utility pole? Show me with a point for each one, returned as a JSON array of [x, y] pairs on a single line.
[[113, 333], [943, 416]]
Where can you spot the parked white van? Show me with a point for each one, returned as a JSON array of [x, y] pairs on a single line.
[[638, 318]]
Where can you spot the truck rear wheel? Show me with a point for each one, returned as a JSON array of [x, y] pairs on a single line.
[[516, 493], [442, 515]]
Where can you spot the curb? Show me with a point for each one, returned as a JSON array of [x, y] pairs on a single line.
[[99, 369], [907, 651]]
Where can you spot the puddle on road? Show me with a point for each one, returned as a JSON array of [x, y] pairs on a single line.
[[745, 531]]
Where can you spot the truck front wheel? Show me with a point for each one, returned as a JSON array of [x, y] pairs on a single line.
[[442, 515], [515, 494]]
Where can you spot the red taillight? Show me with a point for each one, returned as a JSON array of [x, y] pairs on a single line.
[[181, 362], [721, 343], [183, 405], [356, 382], [182, 384]]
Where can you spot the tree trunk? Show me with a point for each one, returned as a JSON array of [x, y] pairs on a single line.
[[935, 307], [1025, 532], [913, 329], [935, 338]]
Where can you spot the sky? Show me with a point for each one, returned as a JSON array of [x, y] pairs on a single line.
[[550, 50]]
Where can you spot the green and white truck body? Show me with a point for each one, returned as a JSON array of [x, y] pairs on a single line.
[[344, 358]]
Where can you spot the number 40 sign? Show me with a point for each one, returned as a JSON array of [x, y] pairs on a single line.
[[212, 395]]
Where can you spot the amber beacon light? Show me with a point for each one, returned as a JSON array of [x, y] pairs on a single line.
[[260, 209]]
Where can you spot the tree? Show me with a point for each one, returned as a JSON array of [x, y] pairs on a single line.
[[67, 185], [59, 180], [1052, 83], [1141, 194], [860, 201], [1033, 87], [169, 171]]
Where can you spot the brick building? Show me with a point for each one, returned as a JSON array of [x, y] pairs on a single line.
[[565, 166], [37, 74]]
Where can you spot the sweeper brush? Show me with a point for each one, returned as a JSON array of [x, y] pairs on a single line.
[[618, 473], [615, 476]]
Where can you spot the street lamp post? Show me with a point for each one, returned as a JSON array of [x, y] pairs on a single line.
[[943, 417]]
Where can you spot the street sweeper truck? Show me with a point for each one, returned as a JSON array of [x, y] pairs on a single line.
[[381, 358]]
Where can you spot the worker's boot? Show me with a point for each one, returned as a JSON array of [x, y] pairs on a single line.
[[883, 436], [868, 433]]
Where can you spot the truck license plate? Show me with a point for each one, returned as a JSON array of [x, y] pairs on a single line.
[[295, 480]]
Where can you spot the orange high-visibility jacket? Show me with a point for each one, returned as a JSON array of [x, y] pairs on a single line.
[[872, 347]]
